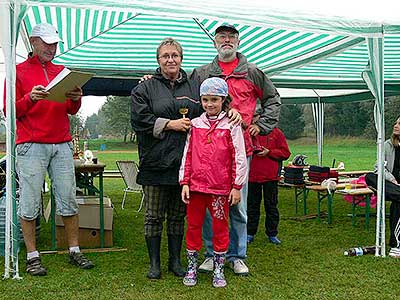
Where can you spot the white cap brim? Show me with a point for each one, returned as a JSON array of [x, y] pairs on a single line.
[[51, 39]]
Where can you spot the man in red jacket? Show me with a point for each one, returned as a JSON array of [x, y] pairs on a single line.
[[44, 145], [265, 171]]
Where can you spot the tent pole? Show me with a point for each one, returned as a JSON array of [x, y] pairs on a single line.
[[11, 15], [374, 77]]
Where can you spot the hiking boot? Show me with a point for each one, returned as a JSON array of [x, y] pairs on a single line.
[[34, 267], [79, 260], [394, 252], [219, 277], [239, 267], [250, 239], [274, 240], [207, 266], [190, 278]]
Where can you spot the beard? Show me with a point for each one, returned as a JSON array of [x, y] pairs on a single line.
[[227, 52]]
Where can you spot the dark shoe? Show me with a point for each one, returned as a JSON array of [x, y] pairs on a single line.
[[79, 260], [250, 239], [274, 240], [153, 247], [174, 249], [35, 268]]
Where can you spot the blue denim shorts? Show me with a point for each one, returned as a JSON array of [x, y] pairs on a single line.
[[32, 163]]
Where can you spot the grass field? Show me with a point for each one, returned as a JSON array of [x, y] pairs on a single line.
[[308, 265]]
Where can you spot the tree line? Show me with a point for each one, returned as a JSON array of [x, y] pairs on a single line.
[[341, 119]]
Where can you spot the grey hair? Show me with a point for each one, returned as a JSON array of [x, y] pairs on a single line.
[[170, 42]]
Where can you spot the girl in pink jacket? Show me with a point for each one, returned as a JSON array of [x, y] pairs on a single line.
[[212, 173]]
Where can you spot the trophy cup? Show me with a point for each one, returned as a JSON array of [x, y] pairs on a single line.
[[183, 111]]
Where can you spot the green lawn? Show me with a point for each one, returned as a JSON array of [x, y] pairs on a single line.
[[308, 265]]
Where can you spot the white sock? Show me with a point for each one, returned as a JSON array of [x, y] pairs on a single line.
[[74, 249], [32, 254]]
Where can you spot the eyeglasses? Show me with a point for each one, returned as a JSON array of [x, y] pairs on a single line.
[[167, 56], [223, 36]]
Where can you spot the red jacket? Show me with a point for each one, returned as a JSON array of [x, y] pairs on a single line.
[[214, 159], [246, 84], [42, 121], [268, 168]]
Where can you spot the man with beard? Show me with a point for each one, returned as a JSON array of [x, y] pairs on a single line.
[[247, 84]]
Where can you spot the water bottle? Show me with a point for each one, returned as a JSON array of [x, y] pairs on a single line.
[[358, 251]]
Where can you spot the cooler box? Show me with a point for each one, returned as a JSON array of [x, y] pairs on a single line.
[[89, 223]]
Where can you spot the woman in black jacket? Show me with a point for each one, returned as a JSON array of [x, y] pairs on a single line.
[[161, 111]]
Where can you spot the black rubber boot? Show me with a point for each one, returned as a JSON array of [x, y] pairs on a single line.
[[174, 249], [153, 247]]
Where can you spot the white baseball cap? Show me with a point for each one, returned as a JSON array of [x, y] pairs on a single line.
[[47, 32]]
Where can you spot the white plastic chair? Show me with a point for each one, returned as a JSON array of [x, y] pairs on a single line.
[[129, 170]]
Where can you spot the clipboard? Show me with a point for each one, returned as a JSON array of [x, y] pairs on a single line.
[[65, 81]]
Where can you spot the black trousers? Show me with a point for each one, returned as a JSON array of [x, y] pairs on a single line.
[[256, 191], [392, 194]]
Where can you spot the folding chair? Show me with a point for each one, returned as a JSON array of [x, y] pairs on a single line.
[[129, 171]]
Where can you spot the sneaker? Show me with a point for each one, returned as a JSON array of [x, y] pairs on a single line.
[[239, 267], [207, 265], [250, 239], [79, 260], [394, 252], [274, 240], [35, 268]]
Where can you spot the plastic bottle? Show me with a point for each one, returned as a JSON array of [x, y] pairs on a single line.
[[358, 251]]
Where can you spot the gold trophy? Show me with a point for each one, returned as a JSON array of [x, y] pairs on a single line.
[[183, 111]]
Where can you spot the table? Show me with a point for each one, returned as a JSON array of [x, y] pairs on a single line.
[[353, 173], [84, 174], [299, 190], [359, 192], [322, 193]]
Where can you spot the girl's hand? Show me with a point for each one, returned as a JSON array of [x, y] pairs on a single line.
[[185, 194], [234, 197], [264, 152], [254, 130]]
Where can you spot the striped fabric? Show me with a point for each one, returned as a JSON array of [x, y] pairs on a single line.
[[115, 42]]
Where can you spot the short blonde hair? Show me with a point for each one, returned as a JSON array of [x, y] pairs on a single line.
[[170, 42]]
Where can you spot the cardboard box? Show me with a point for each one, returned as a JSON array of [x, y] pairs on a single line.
[[87, 238], [89, 214]]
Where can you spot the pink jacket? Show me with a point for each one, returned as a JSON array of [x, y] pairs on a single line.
[[214, 159]]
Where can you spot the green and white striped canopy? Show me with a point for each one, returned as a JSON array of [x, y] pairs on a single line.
[[112, 41]]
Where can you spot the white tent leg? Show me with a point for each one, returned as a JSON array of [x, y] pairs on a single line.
[[11, 15], [374, 77]]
